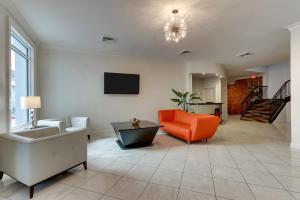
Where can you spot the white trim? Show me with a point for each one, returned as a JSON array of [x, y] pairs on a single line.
[[14, 13], [247, 77], [12, 25], [92, 51], [295, 146], [7, 72], [105, 132], [232, 82], [293, 26]]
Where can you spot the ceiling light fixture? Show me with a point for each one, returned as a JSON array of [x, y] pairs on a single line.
[[175, 29], [244, 54], [185, 52]]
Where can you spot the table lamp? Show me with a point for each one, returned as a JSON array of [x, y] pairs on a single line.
[[31, 103]]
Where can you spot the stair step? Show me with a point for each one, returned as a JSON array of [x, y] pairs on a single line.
[[259, 109], [260, 105], [255, 119], [259, 112]]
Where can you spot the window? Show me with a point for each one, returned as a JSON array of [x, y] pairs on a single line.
[[20, 83]]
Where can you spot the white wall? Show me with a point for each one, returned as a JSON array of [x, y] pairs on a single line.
[[197, 67], [197, 85], [71, 83], [295, 86], [277, 75], [224, 98], [209, 82]]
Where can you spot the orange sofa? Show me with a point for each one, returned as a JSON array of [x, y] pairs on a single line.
[[187, 126]]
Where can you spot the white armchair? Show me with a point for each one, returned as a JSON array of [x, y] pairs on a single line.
[[68, 124], [33, 156]]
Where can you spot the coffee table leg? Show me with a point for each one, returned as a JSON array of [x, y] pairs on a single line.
[[121, 145]]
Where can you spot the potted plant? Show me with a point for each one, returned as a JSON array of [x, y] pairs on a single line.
[[184, 98]]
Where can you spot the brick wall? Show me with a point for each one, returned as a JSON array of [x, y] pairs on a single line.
[[238, 91]]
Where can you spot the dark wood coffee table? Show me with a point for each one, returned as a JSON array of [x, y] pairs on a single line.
[[135, 136]]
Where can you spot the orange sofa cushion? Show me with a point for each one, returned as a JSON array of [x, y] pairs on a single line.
[[188, 126], [181, 116], [177, 129]]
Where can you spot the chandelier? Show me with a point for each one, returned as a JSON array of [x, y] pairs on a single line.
[[175, 28]]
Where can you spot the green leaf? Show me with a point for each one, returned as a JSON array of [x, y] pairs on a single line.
[[179, 103], [193, 94], [176, 100], [195, 98], [179, 94], [185, 94]]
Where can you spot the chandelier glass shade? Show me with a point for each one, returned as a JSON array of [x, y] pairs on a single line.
[[175, 28]]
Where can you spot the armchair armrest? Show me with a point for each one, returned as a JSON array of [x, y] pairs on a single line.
[[60, 124], [203, 126], [82, 122]]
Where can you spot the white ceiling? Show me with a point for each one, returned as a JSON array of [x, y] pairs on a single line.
[[219, 29]]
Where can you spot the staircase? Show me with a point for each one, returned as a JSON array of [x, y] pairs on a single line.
[[257, 107]]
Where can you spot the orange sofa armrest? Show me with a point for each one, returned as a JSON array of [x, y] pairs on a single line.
[[166, 115], [203, 126]]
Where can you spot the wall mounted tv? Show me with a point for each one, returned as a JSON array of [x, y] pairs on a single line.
[[116, 83]]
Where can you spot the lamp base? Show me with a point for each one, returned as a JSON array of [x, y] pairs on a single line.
[[32, 119]]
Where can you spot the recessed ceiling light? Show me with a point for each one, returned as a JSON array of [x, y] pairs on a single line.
[[244, 54], [185, 52], [107, 38], [203, 73], [217, 74]]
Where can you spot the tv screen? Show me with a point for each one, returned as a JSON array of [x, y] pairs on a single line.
[[116, 83]]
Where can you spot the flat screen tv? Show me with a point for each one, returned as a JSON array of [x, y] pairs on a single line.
[[116, 83]]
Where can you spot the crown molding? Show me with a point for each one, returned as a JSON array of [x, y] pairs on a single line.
[[293, 26], [91, 51], [20, 20]]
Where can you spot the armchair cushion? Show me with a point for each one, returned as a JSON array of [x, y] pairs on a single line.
[[52, 123], [67, 124], [38, 133]]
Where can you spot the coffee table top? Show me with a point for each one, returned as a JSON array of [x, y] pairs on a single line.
[[120, 126]]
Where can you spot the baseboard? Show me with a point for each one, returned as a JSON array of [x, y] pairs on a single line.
[[295, 146], [225, 116], [106, 132]]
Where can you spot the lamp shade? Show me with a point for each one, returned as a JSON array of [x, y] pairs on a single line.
[[30, 102]]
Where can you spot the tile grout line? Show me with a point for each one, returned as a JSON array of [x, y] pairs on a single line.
[[211, 171], [259, 161], [183, 171], [149, 180], [239, 170]]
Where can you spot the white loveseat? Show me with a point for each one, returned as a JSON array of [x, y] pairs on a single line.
[[68, 124], [35, 155]]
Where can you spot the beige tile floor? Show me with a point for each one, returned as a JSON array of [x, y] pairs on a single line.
[[245, 160]]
